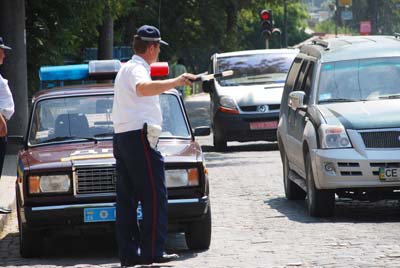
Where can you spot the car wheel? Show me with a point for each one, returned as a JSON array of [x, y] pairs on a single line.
[[292, 190], [320, 203], [30, 242], [220, 145], [198, 233]]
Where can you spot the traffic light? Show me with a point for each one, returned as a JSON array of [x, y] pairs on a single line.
[[267, 24]]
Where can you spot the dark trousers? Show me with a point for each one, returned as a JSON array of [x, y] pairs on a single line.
[[140, 177], [3, 147]]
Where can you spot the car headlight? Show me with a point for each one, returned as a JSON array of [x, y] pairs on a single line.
[[182, 177], [49, 184], [228, 105], [333, 137]]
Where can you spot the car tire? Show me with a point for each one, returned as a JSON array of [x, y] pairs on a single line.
[[30, 242], [198, 233], [292, 190], [320, 203], [220, 145]]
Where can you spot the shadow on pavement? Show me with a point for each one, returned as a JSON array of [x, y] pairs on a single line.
[[83, 250], [251, 147], [345, 211]]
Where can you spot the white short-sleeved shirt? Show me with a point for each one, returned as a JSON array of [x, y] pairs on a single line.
[[131, 111], [6, 99]]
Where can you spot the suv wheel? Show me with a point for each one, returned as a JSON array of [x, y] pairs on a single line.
[[198, 233], [320, 203], [220, 145], [292, 190]]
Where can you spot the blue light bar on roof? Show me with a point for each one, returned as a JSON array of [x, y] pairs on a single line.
[[64, 72], [97, 69]]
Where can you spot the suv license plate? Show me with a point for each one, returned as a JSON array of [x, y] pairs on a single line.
[[264, 125], [389, 174], [104, 214]]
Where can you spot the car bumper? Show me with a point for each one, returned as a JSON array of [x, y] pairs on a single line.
[[236, 127], [353, 169], [72, 215]]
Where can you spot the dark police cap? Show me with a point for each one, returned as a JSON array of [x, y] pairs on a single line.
[[150, 34], [2, 45]]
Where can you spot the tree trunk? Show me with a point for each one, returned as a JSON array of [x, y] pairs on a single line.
[[106, 37], [231, 24], [14, 68]]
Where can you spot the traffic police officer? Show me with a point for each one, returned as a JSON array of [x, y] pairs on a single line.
[[137, 122]]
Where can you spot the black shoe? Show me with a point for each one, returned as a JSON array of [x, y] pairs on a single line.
[[165, 258]]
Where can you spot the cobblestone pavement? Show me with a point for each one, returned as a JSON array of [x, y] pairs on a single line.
[[253, 224]]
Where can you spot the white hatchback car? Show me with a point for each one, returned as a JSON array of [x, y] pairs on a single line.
[[245, 106]]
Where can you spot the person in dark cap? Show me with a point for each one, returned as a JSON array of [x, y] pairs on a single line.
[[6, 111], [137, 122]]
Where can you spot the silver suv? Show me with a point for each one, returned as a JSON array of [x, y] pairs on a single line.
[[245, 106], [339, 124]]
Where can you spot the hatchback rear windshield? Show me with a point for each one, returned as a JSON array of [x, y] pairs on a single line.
[[255, 69], [360, 80]]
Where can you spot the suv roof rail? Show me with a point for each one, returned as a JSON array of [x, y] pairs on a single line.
[[322, 43]]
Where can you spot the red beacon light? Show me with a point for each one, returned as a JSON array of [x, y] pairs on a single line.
[[158, 69]]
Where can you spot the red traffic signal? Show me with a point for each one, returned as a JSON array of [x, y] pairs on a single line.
[[267, 24], [265, 14]]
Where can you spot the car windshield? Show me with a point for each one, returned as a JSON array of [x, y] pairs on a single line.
[[261, 68], [360, 80], [89, 118]]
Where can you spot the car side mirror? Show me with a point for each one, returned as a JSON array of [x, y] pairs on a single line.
[[202, 131], [296, 100], [207, 86]]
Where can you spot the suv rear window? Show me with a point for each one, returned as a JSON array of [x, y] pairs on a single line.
[[255, 69], [357, 80]]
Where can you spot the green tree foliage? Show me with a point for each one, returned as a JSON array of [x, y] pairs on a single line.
[[58, 31]]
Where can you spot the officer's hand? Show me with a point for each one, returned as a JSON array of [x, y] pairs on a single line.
[[185, 79]]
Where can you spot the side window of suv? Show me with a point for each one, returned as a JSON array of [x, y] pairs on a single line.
[[300, 78], [290, 83], [307, 80]]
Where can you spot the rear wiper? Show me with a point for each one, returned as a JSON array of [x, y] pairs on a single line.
[[337, 100], [395, 96], [65, 138]]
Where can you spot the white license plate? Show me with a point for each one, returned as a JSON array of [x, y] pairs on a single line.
[[104, 214], [264, 125], [389, 174]]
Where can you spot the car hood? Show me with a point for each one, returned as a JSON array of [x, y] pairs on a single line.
[[65, 155], [363, 115], [253, 95]]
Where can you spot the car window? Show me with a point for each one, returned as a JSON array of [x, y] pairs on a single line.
[[88, 117], [65, 118], [293, 75], [255, 69], [300, 78], [174, 123], [355, 80]]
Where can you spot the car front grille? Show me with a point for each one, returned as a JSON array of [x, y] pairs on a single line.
[[254, 108], [90, 180], [381, 139]]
